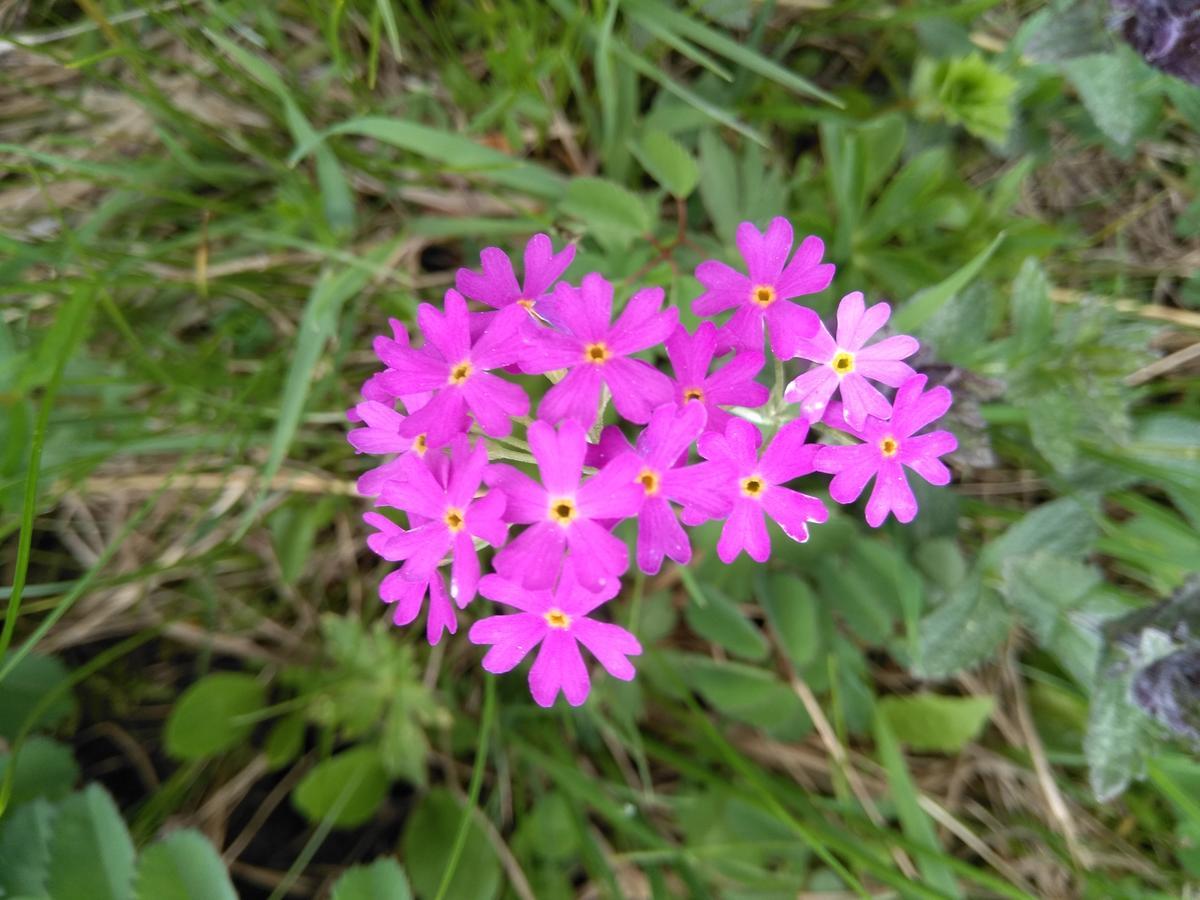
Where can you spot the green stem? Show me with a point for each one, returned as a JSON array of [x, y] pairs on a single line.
[[460, 839]]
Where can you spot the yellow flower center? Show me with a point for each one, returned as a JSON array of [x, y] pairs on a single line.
[[693, 393], [763, 295], [753, 486], [460, 373], [562, 510], [420, 445], [650, 481], [526, 303], [556, 618], [842, 362], [889, 446], [454, 519], [595, 353]]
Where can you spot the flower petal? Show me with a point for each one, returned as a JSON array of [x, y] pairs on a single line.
[[745, 529], [805, 274], [690, 355], [525, 499], [543, 266], [660, 534], [789, 325], [860, 399], [441, 617], [788, 456], [610, 644], [575, 397], [559, 455], [511, 636], [559, 666], [599, 558], [891, 494], [534, 556], [643, 323], [793, 511], [725, 288], [637, 388], [913, 410], [496, 286], [852, 468]]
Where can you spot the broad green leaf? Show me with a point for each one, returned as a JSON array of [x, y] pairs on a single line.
[[1032, 311], [381, 880], [45, 768], [1066, 526], [667, 162], [91, 853], [1118, 91], [33, 678], [715, 617], [548, 830], [285, 740], [606, 208], [349, 786], [936, 722], [925, 303], [210, 717], [450, 152], [1043, 587], [794, 614], [916, 824], [1115, 735], [883, 141], [745, 693], [719, 184], [428, 839], [183, 866], [25, 835], [962, 632]]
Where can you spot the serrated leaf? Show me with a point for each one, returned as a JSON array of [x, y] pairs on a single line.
[[91, 853], [667, 162], [606, 208], [962, 632], [34, 677], [1066, 526], [25, 849], [936, 722], [381, 880], [1032, 311], [210, 716], [919, 178], [1043, 587], [428, 838], [45, 768], [183, 866], [1115, 89], [349, 787]]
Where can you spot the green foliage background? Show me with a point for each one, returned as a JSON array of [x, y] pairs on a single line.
[[209, 208]]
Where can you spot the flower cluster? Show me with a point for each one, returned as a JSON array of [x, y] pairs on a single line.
[[469, 468]]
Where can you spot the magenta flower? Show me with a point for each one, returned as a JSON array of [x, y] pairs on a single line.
[[847, 364], [445, 517], [565, 513], [456, 368], [747, 487], [374, 388], [732, 384], [597, 353], [559, 621], [497, 285], [663, 476], [762, 295], [889, 446], [380, 433], [408, 596]]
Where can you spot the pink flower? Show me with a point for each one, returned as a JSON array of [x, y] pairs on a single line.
[[732, 384], [444, 518], [374, 389], [847, 364], [663, 476], [457, 368], [763, 294], [381, 434], [887, 447], [747, 487], [597, 353], [558, 621], [565, 513], [408, 597], [497, 285]]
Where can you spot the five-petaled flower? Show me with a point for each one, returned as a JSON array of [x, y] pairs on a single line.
[[732, 384], [455, 368], [559, 621], [747, 489], [565, 512], [444, 518], [763, 294], [597, 353], [846, 364], [497, 287], [664, 477], [888, 446]]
